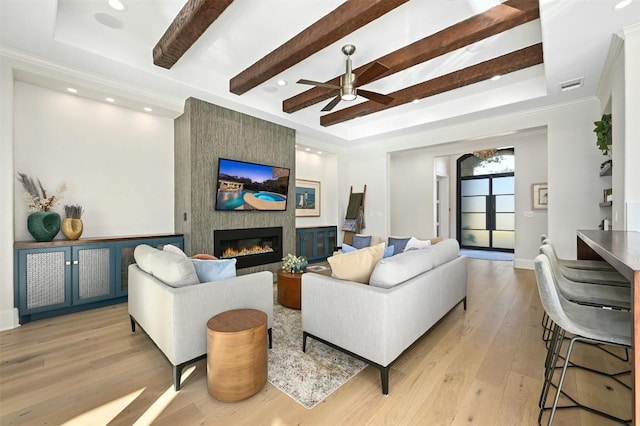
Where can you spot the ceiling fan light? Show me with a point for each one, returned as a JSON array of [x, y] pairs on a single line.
[[348, 96]]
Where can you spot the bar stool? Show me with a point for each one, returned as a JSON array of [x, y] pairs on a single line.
[[593, 265], [588, 324], [605, 277]]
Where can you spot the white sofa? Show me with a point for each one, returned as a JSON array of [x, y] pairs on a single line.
[[407, 294], [175, 318]]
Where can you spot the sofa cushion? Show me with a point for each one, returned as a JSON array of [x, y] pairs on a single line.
[[204, 256], [357, 265], [445, 251], [173, 269], [361, 241], [214, 270], [416, 244], [174, 249], [142, 255], [401, 267], [388, 251], [398, 244]]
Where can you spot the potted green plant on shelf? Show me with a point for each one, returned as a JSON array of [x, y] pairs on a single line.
[[294, 264], [603, 133]]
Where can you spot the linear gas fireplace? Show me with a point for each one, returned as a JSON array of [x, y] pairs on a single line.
[[251, 247]]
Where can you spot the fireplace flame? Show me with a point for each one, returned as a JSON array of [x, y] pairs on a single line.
[[231, 252]]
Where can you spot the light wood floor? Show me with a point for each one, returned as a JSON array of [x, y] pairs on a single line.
[[480, 367]]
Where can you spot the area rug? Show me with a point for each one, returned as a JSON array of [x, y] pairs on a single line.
[[487, 255], [309, 377]]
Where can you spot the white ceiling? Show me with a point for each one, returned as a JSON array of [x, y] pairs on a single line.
[[64, 44]]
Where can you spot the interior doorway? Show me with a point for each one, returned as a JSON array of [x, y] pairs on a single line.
[[486, 200]]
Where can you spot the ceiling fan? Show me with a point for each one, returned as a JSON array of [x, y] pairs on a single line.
[[348, 89]]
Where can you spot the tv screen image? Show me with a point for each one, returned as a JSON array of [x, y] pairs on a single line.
[[251, 186]]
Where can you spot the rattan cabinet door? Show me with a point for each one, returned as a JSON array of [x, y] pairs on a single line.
[[43, 279], [93, 274]]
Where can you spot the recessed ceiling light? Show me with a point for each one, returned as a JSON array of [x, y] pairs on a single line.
[[148, 109], [72, 90], [111, 100], [281, 82], [307, 149], [319, 152], [496, 77], [109, 21], [117, 5], [621, 4], [415, 101]]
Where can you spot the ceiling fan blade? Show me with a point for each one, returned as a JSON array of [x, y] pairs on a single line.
[[318, 83], [371, 73], [332, 104], [376, 97]]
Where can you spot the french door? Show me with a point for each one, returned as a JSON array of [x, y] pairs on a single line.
[[486, 212]]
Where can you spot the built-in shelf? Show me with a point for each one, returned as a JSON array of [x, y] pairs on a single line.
[[606, 170]]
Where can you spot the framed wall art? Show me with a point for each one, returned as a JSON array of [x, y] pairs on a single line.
[[307, 198], [540, 194]]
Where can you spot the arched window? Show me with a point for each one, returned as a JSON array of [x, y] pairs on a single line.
[[488, 162]]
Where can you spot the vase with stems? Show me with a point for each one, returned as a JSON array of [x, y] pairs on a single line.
[[72, 224], [42, 223]]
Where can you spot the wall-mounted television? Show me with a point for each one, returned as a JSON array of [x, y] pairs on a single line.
[[250, 186]]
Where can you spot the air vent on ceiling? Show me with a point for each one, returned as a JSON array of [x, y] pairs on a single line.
[[571, 84]]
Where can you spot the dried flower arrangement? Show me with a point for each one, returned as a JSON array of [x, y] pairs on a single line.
[[291, 263], [36, 195], [73, 212]]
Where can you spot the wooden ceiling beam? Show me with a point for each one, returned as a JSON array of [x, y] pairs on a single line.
[[190, 23], [498, 19], [345, 19], [501, 65]]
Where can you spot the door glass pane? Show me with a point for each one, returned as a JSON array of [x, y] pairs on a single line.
[[474, 204], [475, 238], [474, 221], [475, 187], [506, 221], [503, 185], [505, 203], [504, 239]]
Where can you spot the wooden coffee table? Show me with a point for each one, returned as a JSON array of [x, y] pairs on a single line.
[[289, 285], [236, 354]]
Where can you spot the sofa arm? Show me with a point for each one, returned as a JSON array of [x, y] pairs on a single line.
[[176, 318], [350, 315]]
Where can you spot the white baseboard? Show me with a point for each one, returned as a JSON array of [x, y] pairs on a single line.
[[9, 319], [524, 264]]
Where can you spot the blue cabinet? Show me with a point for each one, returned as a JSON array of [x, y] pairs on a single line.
[[316, 243], [60, 277]]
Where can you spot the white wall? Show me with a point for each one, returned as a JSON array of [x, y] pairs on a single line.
[[413, 176], [117, 163], [324, 169], [572, 156]]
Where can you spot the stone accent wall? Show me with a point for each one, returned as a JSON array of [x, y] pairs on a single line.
[[206, 132]]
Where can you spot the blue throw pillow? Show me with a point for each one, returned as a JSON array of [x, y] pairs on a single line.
[[360, 241], [214, 270], [388, 252], [398, 243], [346, 248]]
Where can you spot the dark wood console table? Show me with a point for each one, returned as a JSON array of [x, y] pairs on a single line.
[[621, 249]]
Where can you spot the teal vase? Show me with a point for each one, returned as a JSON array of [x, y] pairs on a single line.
[[43, 226]]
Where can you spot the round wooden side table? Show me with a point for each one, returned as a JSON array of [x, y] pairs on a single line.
[[289, 284], [236, 354]]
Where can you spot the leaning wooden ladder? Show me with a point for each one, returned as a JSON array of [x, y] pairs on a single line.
[[354, 218]]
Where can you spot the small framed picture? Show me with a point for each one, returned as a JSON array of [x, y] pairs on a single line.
[[307, 198], [540, 194]]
